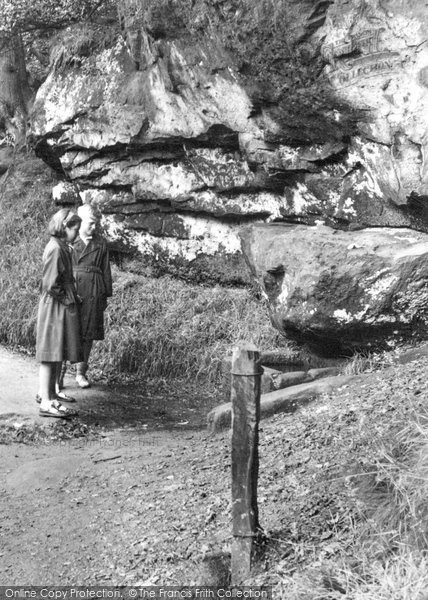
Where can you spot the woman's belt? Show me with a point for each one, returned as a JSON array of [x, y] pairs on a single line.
[[87, 270]]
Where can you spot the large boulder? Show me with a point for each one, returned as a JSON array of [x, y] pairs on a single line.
[[340, 291], [160, 131]]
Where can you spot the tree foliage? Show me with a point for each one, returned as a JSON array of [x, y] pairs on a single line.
[[27, 30], [22, 15]]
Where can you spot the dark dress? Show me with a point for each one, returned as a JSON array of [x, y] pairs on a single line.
[[58, 335], [91, 268]]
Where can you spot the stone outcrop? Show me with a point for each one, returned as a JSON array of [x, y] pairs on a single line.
[[159, 131], [340, 291]]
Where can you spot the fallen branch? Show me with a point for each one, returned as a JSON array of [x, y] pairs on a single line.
[[284, 400]]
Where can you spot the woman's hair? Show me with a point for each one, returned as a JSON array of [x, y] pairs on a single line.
[[86, 211], [62, 219]]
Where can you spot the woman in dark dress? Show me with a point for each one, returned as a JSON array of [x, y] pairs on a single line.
[[91, 268]]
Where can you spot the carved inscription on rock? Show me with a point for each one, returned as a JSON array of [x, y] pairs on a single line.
[[357, 48]]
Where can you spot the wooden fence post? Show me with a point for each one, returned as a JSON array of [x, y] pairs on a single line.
[[245, 392]]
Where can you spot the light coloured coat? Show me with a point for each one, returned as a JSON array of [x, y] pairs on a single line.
[[58, 325]]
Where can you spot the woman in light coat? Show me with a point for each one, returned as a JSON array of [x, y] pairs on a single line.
[[58, 325]]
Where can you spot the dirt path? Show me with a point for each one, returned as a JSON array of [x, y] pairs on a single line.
[[147, 405], [18, 385], [100, 508], [111, 511]]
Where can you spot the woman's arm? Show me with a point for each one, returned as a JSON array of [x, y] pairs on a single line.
[[53, 269], [106, 269]]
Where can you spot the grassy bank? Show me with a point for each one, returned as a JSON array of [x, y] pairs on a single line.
[[26, 206], [167, 328], [155, 327], [345, 483]]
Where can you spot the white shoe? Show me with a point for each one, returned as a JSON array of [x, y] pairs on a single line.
[[82, 381]]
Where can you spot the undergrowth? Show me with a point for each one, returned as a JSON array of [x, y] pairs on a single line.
[[26, 206], [168, 328], [391, 546]]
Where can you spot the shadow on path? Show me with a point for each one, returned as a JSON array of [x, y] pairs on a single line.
[[146, 405], [141, 407]]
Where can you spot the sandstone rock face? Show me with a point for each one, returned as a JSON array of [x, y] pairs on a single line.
[[377, 60], [341, 290], [160, 133]]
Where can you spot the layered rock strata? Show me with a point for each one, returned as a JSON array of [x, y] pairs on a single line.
[[162, 135]]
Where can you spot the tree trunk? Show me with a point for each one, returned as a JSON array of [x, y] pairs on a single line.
[[15, 92]]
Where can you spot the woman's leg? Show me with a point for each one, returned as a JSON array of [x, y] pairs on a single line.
[[87, 347], [59, 374], [46, 378], [57, 371], [62, 375], [49, 405], [82, 367]]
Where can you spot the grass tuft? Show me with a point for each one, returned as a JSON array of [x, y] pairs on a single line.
[[397, 493], [367, 362]]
